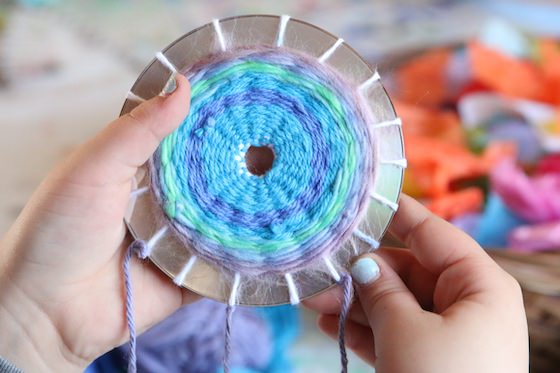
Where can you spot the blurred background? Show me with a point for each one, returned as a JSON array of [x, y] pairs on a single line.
[[477, 84]]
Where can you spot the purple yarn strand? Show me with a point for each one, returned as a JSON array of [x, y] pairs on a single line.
[[346, 283], [138, 247], [227, 344]]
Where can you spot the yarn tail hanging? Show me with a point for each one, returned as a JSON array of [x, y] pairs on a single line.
[[346, 284], [229, 320], [345, 281], [140, 248], [227, 340]]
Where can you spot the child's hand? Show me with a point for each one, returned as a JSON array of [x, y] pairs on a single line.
[[442, 306], [61, 293]]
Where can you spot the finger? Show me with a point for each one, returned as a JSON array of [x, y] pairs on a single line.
[[463, 268], [113, 156], [357, 338], [329, 302], [415, 276], [357, 314], [384, 297], [434, 242]]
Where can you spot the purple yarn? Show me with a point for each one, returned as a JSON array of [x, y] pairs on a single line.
[[468, 223], [139, 248], [227, 339], [192, 339], [346, 283], [514, 128]]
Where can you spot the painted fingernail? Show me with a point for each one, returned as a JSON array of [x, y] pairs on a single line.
[[365, 271], [170, 86]]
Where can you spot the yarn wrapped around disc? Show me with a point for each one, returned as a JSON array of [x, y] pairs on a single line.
[[318, 188]]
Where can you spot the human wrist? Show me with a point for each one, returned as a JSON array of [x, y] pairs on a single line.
[[29, 340]]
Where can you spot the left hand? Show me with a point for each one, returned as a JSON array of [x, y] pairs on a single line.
[[61, 293]]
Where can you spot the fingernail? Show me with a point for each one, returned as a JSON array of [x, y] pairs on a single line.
[[169, 87], [365, 271]]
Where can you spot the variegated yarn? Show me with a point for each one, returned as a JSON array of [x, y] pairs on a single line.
[[313, 196]]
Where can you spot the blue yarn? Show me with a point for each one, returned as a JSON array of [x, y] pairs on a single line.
[[288, 135], [284, 323], [291, 143], [312, 198], [495, 224], [191, 341]]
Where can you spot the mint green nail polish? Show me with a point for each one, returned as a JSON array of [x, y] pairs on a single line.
[[365, 271]]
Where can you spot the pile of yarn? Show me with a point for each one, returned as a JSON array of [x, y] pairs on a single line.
[[488, 113]]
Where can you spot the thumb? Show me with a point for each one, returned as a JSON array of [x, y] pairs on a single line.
[[384, 297], [113, 156]]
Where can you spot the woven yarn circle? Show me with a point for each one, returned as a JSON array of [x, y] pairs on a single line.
[[317, 189]]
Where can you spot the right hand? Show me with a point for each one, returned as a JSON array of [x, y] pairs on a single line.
[[442, 305]]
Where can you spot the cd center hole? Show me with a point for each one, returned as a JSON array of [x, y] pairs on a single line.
[[259, 159]]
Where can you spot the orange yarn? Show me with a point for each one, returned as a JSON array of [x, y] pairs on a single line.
[[510, 76], [422, 81]]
